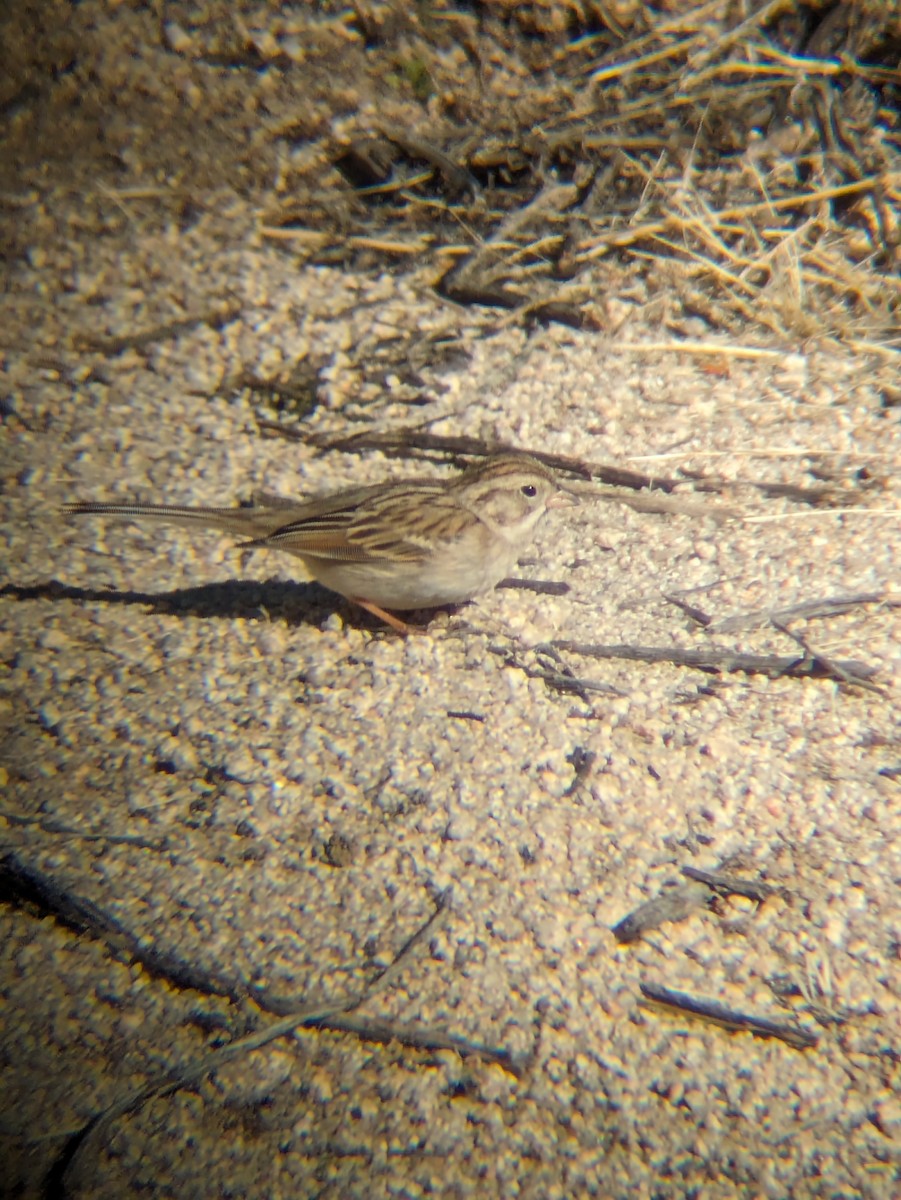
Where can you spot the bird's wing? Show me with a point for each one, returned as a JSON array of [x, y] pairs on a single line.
[[366, 525]]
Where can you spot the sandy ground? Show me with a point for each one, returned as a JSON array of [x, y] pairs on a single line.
[[267, 794]]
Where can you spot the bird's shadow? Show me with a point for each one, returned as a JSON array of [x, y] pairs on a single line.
[[295, 603]]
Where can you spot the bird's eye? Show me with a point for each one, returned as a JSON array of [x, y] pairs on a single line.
[[529, 489]]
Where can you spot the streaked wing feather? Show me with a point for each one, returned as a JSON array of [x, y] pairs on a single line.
[[359, 527], [335, 546]]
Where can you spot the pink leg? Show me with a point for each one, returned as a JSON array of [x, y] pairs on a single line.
[[395, 622]]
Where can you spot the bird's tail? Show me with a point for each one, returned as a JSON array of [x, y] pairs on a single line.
[[253, 522]]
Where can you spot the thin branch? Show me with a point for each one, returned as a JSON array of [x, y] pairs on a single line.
[[810, 666], [657, 996], [66, 1170]]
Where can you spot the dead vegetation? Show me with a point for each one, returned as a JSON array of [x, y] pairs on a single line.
[[735, 161], [740, 161]]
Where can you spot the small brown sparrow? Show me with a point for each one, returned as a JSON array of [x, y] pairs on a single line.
[[408, 544]]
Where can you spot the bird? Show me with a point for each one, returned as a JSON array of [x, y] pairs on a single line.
[[396, 545]]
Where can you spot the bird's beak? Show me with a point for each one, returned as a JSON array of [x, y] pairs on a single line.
[[563, 499]]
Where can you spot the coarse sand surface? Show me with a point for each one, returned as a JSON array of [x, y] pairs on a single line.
[[260, 794]]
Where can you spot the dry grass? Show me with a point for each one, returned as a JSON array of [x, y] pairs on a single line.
[[539, 157], [733, 160]]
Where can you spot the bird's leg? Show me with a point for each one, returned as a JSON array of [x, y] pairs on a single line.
[[395, 622]]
